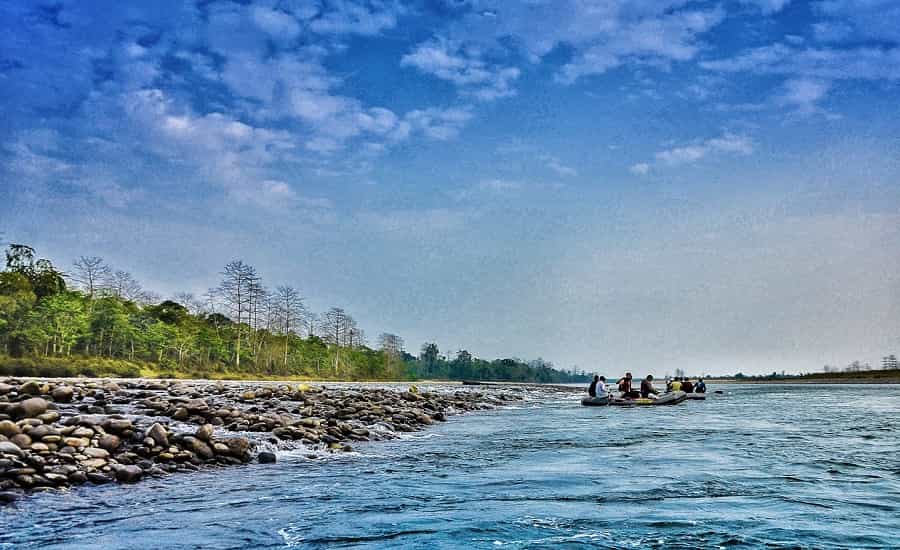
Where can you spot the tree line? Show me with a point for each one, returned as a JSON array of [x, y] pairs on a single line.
[[98, 315]]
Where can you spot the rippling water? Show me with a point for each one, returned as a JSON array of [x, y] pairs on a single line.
[[761, 466]]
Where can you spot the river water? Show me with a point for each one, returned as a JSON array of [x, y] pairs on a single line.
[[803, 466]]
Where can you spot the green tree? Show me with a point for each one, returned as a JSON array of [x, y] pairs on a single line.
[[58, 322], [16, 300]]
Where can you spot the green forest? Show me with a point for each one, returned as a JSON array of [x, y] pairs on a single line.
[[97, 321]]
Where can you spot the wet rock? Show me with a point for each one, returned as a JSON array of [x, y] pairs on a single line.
[[94, 452], [266, 457], [205, 432], [76, 442], [9, 428], [82, 432], [158, 434], [118, 425], [99, 477], [32, 407], [31, 388], [109, 442], [5, 388], [10, 448], [77, 477], [196, 405], [129, 474], [63, 394], [197, 447], [238, 446], [22, 440]]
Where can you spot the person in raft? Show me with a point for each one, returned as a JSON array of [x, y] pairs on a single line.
[[700, 387], [687, 386], [625, 387], [597, 387], [647, 388], [676, 384]]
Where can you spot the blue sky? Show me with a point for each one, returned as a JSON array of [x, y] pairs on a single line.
[[641, 185]]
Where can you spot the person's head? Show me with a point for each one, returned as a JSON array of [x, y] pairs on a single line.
[[649, 378], [700, 380], [628, 375], [596, 378], [603, 379]]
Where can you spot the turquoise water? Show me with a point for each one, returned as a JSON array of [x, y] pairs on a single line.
[[758, 467]]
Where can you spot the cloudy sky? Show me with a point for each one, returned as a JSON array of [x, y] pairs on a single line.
[[646, 184]]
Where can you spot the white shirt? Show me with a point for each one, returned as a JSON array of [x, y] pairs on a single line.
[[601, 389]]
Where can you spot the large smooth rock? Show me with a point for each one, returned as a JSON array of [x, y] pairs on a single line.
[[158, 434], [118, 425], [109, 442], [238, 446], [95, 452], [63, 394], [32, 407], [129, 474], [205, 432], [22, 440], [196, 405], [31, 388], [9, 448], [197, 447], [266, 457], [9, 428]]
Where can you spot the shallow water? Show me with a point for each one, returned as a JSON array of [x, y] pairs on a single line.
[[761, 466]]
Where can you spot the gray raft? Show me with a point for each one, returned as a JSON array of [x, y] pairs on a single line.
[[599, 401]]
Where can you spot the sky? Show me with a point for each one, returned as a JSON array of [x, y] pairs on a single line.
[[643, 185]]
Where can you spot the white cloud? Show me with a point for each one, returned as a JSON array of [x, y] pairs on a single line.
[[349, 17], [499, 185], [557, 166], [224, 150], [463, 66], [860, 19], [277, 24], [803, 94], [687, 154], [657, 40], [641, 168], [863, 63], [768, 7], [439, 124]]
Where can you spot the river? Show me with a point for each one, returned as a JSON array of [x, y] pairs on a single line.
[[804, 466]]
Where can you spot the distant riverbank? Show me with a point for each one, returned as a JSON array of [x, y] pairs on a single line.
[[890, 379]]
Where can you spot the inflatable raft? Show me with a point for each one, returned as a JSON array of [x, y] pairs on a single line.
[[672, 398], [599, 401]]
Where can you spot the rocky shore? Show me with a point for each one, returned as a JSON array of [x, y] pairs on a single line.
[[59, 433]]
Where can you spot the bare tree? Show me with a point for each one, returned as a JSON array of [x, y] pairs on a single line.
[[90, 273], [123, 285], [337, 327], [236, 292], [290, 314], [195, 305], [390, 344]]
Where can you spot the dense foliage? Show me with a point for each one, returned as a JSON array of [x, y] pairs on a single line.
[[99, 322]]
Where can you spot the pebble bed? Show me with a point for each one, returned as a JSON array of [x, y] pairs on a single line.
[[59, 433]]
